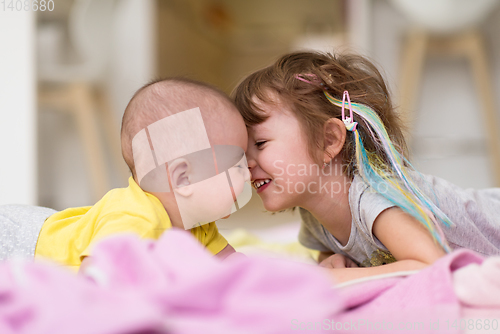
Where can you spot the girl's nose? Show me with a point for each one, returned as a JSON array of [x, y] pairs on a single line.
[[251, 163]]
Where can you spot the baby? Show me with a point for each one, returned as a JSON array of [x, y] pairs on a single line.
[[188, 169]]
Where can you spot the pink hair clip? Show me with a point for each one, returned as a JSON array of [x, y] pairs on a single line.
[[314, 80], [300, 77], [348, 121]]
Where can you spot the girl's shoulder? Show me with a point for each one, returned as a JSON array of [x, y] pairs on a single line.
[[430, 185]]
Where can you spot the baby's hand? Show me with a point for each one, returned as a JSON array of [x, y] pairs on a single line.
[[338, 261]]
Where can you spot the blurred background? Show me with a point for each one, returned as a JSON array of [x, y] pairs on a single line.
[[67, 73]]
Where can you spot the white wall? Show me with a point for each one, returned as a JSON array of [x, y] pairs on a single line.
[[359, 25], [134, 50], [17, 108], [64, 179]]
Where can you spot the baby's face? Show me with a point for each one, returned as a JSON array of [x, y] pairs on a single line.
[[200, 159], [218, 180], [220, 194]]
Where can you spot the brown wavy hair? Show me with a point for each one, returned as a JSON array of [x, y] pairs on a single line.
[[334, 73]]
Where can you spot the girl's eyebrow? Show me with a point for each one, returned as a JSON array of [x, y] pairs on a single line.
[[257, 133], [260, 127]]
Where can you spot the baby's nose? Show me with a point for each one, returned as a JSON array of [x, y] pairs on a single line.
[[248, 175], [251, 166]]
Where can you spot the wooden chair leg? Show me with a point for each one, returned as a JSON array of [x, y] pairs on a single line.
[[413, 60], [481, 70], [84, 110]]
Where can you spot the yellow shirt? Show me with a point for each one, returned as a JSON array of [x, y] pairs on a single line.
[[67, 236]]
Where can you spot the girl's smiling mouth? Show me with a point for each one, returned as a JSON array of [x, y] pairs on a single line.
[[261, 184]]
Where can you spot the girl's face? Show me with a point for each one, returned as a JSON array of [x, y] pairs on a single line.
[[283, 173]]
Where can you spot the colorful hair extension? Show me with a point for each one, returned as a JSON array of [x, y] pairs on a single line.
[[392, 181]]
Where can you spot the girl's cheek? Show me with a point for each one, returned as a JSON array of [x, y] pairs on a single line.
[[268, 162]]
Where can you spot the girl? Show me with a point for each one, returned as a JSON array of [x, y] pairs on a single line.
[[344, 165]]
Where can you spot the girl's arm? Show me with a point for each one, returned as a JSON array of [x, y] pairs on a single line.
[[324, 255], [407, 240], [405, 237]]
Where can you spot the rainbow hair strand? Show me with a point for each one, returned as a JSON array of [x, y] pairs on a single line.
[[390, 180]]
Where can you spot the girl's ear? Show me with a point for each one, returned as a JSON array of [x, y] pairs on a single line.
[[334, 138]]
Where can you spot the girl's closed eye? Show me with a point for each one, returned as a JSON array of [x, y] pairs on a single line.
[[260, 143]]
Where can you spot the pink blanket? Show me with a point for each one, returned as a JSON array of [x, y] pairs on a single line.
[[424, 302], [174, 286], [171, 286]]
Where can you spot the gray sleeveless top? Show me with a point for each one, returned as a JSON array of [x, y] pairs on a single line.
[[475, 213]]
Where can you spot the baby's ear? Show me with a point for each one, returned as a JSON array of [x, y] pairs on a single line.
[[179, 173]]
